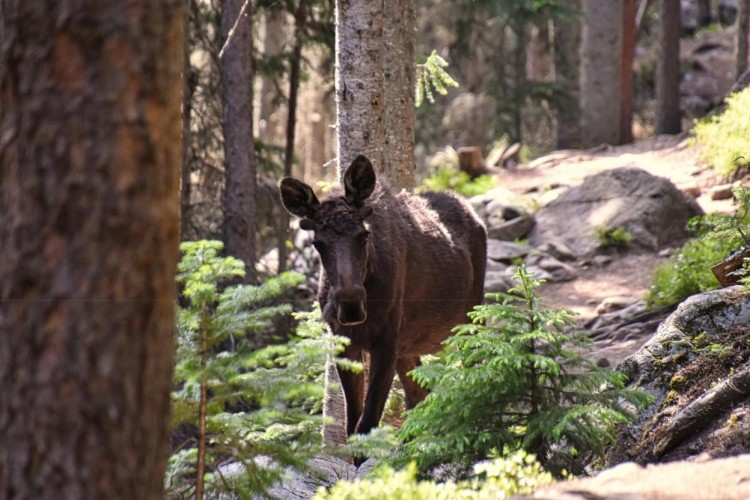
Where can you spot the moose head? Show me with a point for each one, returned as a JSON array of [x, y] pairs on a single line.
[[340, 235]]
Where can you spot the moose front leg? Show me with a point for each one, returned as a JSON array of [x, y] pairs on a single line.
[[354, 389], [382, 370]]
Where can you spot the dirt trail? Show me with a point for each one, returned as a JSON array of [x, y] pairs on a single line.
[[628, 274]]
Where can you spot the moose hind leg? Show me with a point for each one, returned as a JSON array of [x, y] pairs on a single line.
[[414, 392]]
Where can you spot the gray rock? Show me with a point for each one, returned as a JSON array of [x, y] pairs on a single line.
[[508, 223], [554, 270], [497, 282], [558, 250], [506, 251], [651, 208]]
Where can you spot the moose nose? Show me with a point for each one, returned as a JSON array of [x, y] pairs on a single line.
[[350, 303]]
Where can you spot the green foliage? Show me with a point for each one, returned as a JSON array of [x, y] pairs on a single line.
[[689, 271], [250, 403], [514, 379], [445, 178], [518, 474], [725, 138], [431, 78], [613, 237]]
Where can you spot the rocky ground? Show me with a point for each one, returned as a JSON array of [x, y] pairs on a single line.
[[611, 290]]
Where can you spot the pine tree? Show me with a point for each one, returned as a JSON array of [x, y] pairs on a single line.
[[514, 378], [256, 412]]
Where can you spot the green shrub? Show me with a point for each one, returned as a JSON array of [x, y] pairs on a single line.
[[613, 237], [242, 403], [689, 272], [518, 474], [445, 178], [514, 379], [725, 138]]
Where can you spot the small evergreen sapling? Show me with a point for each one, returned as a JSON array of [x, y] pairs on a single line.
[[514, 379], [256, 409]]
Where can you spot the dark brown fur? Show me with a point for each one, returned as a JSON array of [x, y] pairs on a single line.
[[398, 272]]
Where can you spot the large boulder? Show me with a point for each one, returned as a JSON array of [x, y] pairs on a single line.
[[650, 208]]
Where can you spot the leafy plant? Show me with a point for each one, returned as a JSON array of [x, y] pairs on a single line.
[[431, 78], [613, 237], [514, 379], [725, 138], [238, 405], [689, 272], [518, 474]]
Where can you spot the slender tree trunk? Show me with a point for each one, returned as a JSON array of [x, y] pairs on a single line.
[[300, 18], [743, 25], [626, 71], [601, 53], [519, 79], [187, 106], [668, 119], [567, 75], [89, 195], [398, 64], [273, 37], [359, 82], [237, 120]]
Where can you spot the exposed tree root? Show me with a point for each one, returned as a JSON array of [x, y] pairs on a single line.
[[700, 412]]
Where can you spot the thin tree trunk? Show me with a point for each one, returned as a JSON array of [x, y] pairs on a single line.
[[187, 106], [567, 75], [237, 119], [668, 119], [519, 80], [743, 24], [601, 53], [398, 64], [626, 71], [89, 195], [359, 83], [300, 18]]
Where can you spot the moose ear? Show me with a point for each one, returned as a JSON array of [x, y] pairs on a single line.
[[298, 198], [359, 181]]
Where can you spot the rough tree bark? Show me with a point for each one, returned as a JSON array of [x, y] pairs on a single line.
[[237, 122], [567, 75], [601, 54], [359, 83], [668, 119], [89, 195], [398, 72]]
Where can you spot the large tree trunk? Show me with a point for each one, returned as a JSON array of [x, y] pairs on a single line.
[[89, 195], [600, 72], [237, 119], [567, 75], [668, 120], [399, 69], [359, 82]]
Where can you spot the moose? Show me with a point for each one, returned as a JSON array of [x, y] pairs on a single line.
[[398, 272]]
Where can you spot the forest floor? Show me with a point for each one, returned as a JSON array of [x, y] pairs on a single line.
[[630, 275]]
